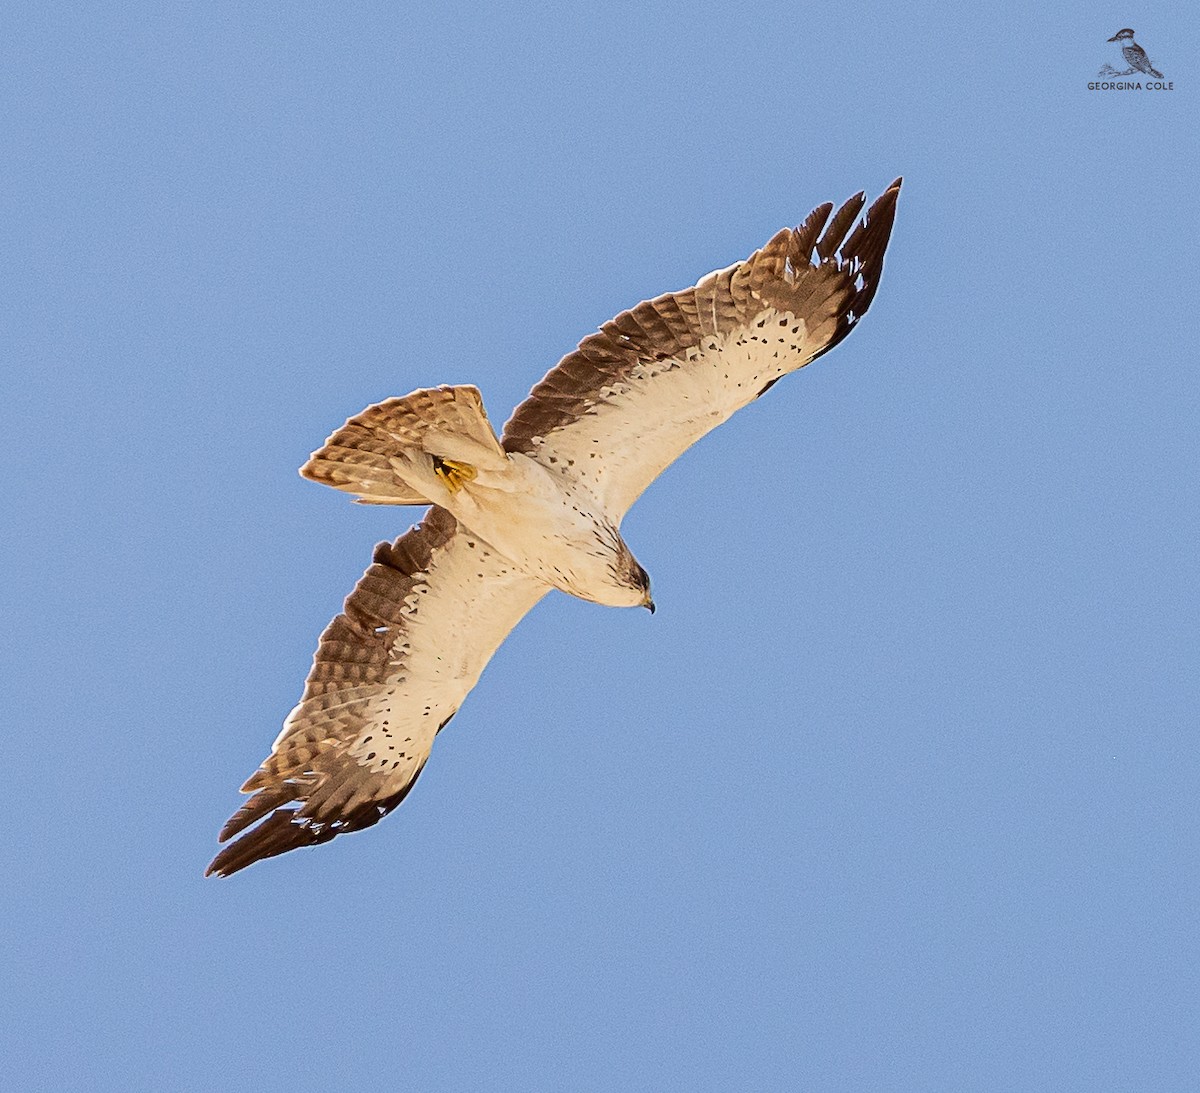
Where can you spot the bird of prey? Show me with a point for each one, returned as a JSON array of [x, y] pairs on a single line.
[[1134, 55], [538, 508]]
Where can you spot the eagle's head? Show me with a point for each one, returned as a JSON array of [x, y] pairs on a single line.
[[633, 582]]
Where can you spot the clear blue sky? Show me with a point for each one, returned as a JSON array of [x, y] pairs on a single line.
[[897, 791]]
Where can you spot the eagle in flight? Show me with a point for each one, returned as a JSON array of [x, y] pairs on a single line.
[[538, 507]]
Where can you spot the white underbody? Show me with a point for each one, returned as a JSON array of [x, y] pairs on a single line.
[[559, 523], [546, 523]]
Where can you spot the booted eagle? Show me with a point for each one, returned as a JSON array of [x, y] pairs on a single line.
[[537, 508]]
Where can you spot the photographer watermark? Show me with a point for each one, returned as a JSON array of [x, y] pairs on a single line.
[[1131, 62]]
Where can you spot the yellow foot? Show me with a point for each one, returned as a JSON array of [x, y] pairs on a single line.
[[453, 473]]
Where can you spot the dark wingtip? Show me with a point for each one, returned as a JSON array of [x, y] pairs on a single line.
[[277, 834], [290, 829], [861, 255]]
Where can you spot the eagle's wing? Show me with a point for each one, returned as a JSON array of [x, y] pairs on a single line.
[[633, 397], [389, 672]]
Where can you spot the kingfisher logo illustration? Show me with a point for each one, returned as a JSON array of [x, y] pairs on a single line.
[[1130, 60]]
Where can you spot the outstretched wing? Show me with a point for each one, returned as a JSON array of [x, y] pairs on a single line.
[[637, 394], [389, 672]]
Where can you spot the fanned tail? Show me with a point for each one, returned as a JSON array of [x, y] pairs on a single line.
[[394, 453]]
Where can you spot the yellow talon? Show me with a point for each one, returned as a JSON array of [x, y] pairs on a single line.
[[453, 473]]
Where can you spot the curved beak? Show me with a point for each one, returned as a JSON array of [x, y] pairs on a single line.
[[649, 604]]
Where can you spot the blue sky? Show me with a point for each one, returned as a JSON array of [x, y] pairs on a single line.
[[897, 790]]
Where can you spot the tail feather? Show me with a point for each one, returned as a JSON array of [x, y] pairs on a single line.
[[359, 462], [386, 454]]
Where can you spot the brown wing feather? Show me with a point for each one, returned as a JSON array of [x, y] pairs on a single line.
[[286, 829], [823, 280], [389, 672]]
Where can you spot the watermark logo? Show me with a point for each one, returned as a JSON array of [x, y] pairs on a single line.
[[1132, 70]]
